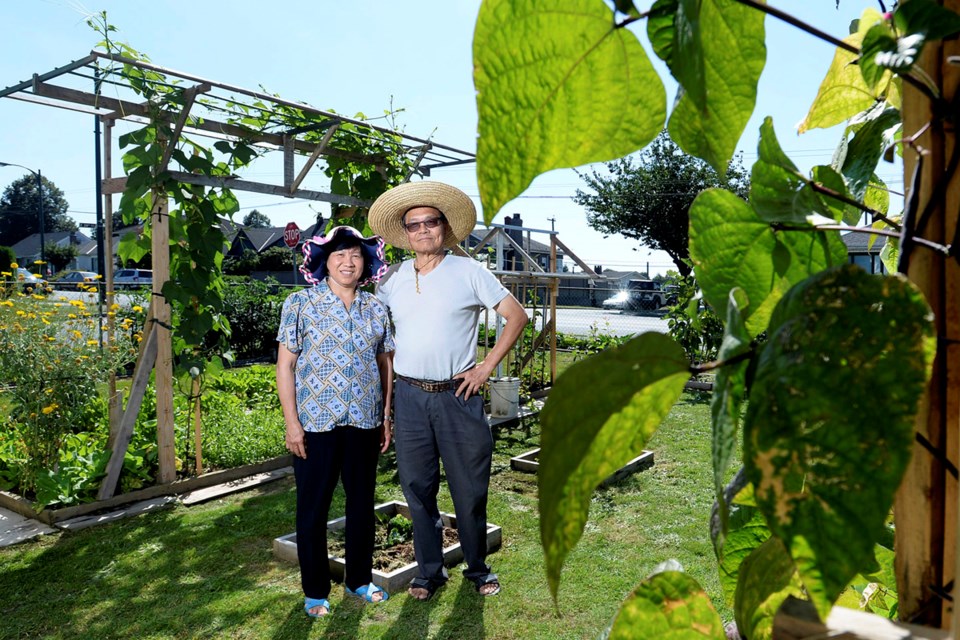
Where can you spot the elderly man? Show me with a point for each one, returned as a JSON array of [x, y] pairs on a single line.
[[435, 301]]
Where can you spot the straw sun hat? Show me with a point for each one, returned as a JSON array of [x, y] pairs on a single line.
[[386, 214]]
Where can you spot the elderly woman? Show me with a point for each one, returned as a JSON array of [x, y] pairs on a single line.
[[334, 379]]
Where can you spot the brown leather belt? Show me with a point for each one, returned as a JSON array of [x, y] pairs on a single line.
[[432, 386]]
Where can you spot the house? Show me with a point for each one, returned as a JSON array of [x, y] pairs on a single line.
[[28, 249], [862, 254]]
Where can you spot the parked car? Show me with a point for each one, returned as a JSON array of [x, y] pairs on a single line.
[[29, 282], [639, 295], [74, 280], [132, 278]]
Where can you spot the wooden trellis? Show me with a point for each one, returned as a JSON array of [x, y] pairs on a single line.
[[97, 85]]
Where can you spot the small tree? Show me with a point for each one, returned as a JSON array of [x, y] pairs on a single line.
[[650, 200], [256, 220], [61, 255], [20, 213]]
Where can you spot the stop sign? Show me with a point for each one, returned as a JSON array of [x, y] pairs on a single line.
[[291, 235]]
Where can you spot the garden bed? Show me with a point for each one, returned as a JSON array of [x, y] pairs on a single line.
[[528, 462], [27, 508], [285, 548]]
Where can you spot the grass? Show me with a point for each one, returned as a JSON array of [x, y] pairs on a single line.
[[208, 570]]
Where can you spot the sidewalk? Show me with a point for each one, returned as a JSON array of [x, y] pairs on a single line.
[[16, 528]]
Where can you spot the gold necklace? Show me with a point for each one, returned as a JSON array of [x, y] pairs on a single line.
[[416, 269]]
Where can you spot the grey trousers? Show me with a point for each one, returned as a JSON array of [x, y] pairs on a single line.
[[430, 427]]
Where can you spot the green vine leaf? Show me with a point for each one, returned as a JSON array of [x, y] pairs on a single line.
[[728, 395], [558, 85], [825, 473], [668, 606], [874, 131], [882, 51], [660, 28], [714, 108], [843, 92], [766, 578], [926, 17], [731, 246], [586, 437], [779, 192]]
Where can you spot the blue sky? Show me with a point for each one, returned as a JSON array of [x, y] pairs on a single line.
[[358, 57]]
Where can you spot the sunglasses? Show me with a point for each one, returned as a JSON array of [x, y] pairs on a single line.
[[429, 223]]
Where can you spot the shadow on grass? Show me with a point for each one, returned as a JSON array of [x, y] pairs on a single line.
[[466, 619], [183, 574]]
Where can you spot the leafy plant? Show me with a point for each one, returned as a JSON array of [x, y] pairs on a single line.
[[695, 326], [52, 357], [828, 432]]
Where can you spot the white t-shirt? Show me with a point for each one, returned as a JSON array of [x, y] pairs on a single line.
[[436, 329]]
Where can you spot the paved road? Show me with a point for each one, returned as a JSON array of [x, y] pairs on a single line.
[[581, 322]]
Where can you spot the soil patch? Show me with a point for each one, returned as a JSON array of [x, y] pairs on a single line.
[[391, 550]]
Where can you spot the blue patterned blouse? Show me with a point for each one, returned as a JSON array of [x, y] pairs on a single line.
[[336, 374]]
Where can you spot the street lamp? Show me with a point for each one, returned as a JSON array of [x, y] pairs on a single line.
[[43, 257]]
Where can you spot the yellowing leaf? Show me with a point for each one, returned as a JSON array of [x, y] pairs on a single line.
[[843, 92]]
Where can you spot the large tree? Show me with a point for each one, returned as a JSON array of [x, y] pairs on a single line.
[[256, 220], [648, 196], [20, 215]]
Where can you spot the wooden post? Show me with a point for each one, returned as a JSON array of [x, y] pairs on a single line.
[[196, 426], [114, 403], [554, 287], [926, 508], [160, 252]]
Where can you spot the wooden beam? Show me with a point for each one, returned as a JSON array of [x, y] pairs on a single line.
[[487, 238], [314, 156], [567, 252], [117, 185], [125, 108], [141, 377], [189, 96], [526, 258]]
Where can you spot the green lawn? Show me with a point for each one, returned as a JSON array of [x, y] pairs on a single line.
[[208, 570]]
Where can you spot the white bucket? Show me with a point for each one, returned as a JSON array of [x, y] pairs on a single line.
[[504, 397]]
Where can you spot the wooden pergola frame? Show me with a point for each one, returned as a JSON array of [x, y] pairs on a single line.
[[96, 85]]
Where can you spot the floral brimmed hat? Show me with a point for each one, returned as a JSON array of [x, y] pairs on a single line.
[[317, 249]]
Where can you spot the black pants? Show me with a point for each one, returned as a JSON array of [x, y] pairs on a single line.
[[431, 427], [349, 454]]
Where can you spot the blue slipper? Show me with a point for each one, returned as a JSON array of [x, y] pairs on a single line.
[[367, 592], [312, 603]]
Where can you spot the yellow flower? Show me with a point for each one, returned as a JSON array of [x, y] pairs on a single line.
[[7, 303], [92, 343], [39, 262], [6, 273], [137, 308], [114, 306], [44, 321], [111, 314], [14, 265], [72, 316], [47, 410]]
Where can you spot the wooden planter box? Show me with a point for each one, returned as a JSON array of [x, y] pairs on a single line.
[[285, 548], [52, 516], [528, 463]]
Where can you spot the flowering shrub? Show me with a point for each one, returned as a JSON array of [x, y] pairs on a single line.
[[53, 357]]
